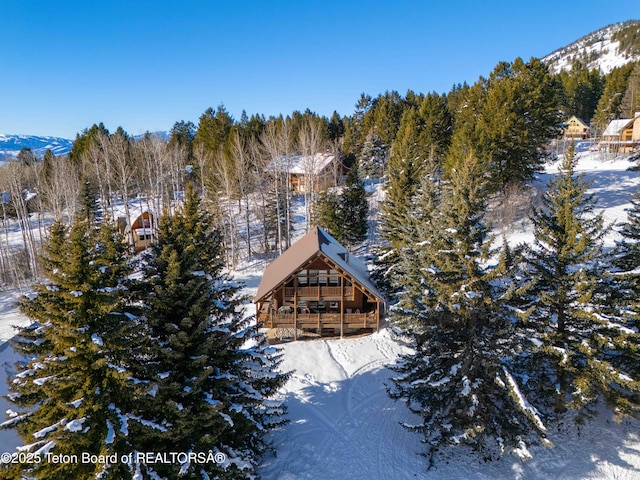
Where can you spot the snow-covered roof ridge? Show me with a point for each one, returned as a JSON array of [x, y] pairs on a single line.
[[616, 126], [303, 164]]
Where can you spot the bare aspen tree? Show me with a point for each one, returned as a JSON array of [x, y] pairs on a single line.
[[96, 165], [19, 196], [118, 160], [37, 172], [10, 271], [6, 270], [61, 189], [311, 146], [150, 154], [276, 142], [244, 153], [203, 160], [225, 173], [174, 163]]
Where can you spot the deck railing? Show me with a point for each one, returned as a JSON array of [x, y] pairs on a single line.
[[319, 320], [321, 292]]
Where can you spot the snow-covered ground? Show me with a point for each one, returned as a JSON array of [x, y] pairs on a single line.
[[342, 424]]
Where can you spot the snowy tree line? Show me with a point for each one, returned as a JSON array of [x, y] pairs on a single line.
[[151, 353], [513, 341], [507, 118], [240, 168]]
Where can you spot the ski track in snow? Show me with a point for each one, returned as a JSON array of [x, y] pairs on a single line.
[[342, 422], [344, 425]]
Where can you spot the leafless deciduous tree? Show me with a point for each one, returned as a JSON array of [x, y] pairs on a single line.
[[311, 144]]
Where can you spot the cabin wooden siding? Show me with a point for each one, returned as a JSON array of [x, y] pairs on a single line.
[[576, 129], [622, 135], [334, 301]]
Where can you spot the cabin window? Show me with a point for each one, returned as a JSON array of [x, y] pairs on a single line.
[[302, 278], [313, 278], [323, 277], [334, 278]]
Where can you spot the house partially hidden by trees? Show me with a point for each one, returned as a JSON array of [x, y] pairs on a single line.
[[310, 173], [621, 135], [317, 285], [575, 129], [141, 233]]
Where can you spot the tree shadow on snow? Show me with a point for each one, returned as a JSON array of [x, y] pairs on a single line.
[[344, 429]]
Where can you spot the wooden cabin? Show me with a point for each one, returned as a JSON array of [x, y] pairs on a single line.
[[142, 231], [575, 129], [622, 135], [309, 173], [318, 286]]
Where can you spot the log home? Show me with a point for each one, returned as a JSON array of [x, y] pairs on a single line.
[[318, 285]]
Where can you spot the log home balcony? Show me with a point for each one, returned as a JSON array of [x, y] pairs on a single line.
[[320, 320], [320, 293], [318, 285]]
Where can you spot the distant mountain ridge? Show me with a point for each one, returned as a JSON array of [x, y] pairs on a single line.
[[605, 49], [10, 145]]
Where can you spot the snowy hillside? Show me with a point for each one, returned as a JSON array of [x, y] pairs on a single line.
[[597, 49], [10, 145], [342, 423]]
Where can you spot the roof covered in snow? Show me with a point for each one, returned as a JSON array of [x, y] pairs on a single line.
[[317, 241], [615, 127], [303, 164]]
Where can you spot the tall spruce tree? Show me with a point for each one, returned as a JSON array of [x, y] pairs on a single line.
[[455, 308], [574, 341], [208, 372], [626, 282], [345, 215], [72, 385], [354, 209], [508, 120], [627, 256], [327, 214]]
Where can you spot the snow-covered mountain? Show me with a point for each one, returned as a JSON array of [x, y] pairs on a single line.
[[604, 49], [10, 145]]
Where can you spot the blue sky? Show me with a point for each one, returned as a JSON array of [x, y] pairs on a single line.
[[144, 65]]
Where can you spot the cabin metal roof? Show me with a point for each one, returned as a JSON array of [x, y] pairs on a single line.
[[315, 243]]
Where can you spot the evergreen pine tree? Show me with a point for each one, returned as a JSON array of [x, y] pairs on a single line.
[[72, 386], [573, 358], [372, 160], [345, 216], [327, 214], [207, 370], [627, 257], [354, 209], [626, 291], [455, 308]]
